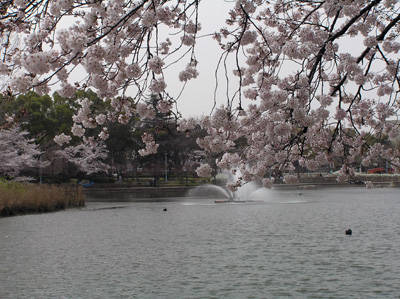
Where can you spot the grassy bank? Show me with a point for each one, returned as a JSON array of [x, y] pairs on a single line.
[[22, 198]]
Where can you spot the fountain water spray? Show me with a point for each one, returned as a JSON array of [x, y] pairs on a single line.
[[243, 193]]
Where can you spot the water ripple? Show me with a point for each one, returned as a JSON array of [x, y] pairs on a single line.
[[204, 250]]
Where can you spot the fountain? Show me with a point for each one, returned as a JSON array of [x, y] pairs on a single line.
[[249, 192], [224, 195], [211, 190]]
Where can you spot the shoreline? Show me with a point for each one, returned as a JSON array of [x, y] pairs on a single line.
[[310, 186], [126, 193], [22, 204]]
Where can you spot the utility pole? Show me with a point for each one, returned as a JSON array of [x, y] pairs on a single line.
[[166, 167], [40, 170]]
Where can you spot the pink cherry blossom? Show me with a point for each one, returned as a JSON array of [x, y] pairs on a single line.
[[158, 86], [295, 88], [88, 156], [156, 64], [188, 74], [204, 170], [150, 145], [77, 130], [101, 119], [62, 139], [17, 151]]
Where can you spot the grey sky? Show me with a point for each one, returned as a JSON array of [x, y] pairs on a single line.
[[198, 96]]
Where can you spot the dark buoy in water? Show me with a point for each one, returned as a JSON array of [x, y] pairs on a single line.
[[349, 232], [165, 209]]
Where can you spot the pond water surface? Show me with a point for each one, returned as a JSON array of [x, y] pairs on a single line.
[[285, 244]]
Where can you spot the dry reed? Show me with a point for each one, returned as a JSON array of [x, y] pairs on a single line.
[[22, 198]]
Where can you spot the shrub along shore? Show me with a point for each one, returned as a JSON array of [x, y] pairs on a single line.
[[23, 198]]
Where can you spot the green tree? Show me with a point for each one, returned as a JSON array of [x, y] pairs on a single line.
[[41, 116]]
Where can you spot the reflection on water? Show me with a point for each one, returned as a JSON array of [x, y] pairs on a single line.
[[286, 244]]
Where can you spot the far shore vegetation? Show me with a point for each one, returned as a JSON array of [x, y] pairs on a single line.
[[42, 117], [24, 198]]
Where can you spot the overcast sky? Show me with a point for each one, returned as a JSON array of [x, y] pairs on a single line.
[[198, 96]]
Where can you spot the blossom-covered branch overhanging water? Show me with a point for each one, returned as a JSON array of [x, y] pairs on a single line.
[[312, 81]]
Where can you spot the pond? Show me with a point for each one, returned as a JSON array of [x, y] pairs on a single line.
[[286, 243]]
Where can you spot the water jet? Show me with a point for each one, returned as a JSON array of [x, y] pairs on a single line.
[[221, 194]]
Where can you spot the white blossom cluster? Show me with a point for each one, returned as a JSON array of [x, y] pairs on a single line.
[[296, 95], [17, 152], [89, 156], [150, 145], [62, 139]]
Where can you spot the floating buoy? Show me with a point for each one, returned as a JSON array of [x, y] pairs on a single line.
[[349, 232]]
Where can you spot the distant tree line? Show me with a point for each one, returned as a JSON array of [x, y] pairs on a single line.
[[43, 117]]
